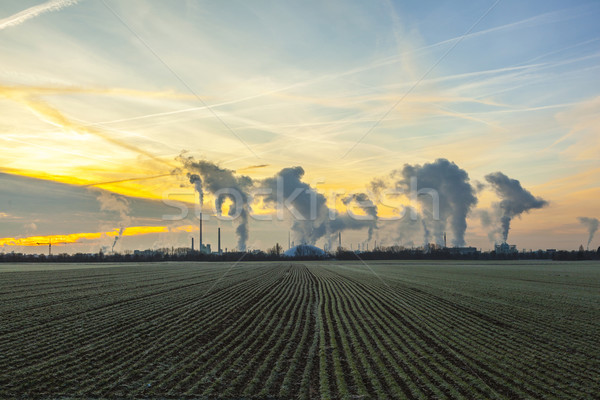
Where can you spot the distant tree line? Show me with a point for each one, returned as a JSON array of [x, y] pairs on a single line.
[[276, 254]]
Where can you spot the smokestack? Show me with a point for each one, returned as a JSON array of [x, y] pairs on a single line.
[[200, 243], [445, 244], [219, 239], [340, 240], [192, 244]]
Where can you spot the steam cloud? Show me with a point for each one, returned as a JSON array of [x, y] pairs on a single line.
[[224, 184], [515, 199], [312, 218], [112, 249], [369, 208], [592, 226], [287, 188], [120, 205], [454, 191], [442, 190], [197, 182]]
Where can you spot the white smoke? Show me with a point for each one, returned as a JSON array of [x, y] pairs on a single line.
[[592, 226], [225, 183], [450, 186], [515, 200], [116, 204]]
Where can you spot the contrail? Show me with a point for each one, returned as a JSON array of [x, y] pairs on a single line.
[[127, 180], [253, 167], [32, 12], [53, 116]]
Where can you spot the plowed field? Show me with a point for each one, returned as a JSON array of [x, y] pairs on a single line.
[[301, 330]]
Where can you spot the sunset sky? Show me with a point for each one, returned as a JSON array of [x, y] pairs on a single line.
[[99, 97]]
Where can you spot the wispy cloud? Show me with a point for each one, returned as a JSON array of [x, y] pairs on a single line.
[[32, 12], [53, 116]]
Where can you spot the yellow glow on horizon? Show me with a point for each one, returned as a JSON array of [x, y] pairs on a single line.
[[90, 236]]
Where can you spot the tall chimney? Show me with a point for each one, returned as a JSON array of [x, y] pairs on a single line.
[[219, 239], [445, 239], [192, 244], [340, 240], [200, 243]]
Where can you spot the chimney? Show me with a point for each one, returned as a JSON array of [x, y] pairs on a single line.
[[192, 244], [445, 239], [200, 243], [219, 239], [340, 240]]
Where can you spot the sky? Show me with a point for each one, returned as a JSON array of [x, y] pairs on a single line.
[[100, 98]]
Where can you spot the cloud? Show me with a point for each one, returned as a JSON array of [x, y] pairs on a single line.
[[81, 236], [53, 116], [582, 142], [32, 12], [61, 208]]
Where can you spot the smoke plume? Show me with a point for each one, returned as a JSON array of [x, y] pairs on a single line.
[[426, 234], [117, 239], [445, 183], [224, 184], [197, 182], [119, 205], [515, 200], [369, 208], [592, 225], [313, 219]]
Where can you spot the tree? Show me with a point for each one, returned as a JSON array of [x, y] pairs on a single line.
[[275, 250]]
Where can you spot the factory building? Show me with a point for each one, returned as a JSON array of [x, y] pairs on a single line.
[[505, 248]]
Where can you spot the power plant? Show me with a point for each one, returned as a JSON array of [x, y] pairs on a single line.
[[206, 248]]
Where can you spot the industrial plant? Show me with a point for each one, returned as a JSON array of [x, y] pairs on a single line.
[[202, 251]]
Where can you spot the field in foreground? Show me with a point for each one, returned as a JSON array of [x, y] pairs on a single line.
[[303, 330]]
